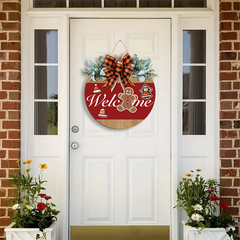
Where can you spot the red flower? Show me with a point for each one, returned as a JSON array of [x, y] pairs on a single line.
[[41, 206], [48, 197], [209, 191], [214, 198], [42, 195], [223, 205]]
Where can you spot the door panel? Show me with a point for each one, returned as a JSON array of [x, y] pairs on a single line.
[[120, 177]]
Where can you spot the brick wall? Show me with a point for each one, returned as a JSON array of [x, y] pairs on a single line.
[[9, 100], [230, 104]]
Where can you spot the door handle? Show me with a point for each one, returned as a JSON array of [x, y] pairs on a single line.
[[74, 145]]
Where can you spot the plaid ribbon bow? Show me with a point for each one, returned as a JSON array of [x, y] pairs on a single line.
[[115, 69]]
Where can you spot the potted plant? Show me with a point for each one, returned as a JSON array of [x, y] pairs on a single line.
[[33, 214], [198, 197]]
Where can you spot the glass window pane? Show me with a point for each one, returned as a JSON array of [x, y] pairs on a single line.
[[190, 3], [46, 46], [120, 3], [85, 3], [49, 3], [46, 118], [194, 118], [194, 82], [194, 46], [155, 3], [46, 82]]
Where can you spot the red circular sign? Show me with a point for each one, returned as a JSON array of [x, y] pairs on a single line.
[[120, 109]]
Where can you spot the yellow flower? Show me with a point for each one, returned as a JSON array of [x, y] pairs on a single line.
[[43, 166], [28, 169], [189, 174], [18, 161], [7, 160], [198, 170], [25, 162], [184, 178], [29, 161]]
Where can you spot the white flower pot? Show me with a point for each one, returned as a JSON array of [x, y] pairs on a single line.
[[191, 233], [28, 233]]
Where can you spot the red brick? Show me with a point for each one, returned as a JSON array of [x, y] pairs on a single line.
[[14, 96], [14, 76], [224, 105], [10, 143], [225, 86], [3, 76], [227, 201], [225, 26], [228, 36], [237, 46], [232, 211], [14, 135], [228, 76], [11, 125], [6, 26], [228, 173], [14, 154], [10, 212], [228, 192], [229, 95], [3, 95], [236, 85], [3, 36], [11, 105], [14, 36], [3, 56], [14, 56], [10, 66], [2, 115], [226, 153], [228, 134], [3, 16], [2, 212], [228, 56], [5, 202], [228, 115], [6, 183], [11, 6], [237, 181], [14, 115], [226, 124], [226, 46], [237, 143], [236, 26], [9, 164], [3, 173], [11, 86], [225, 66], [12, 192], [236, 5], [226, 163], [14, 16], [3, 135], [3, 193], [224, 6], [236, 201], [228, 16], [226, 182], [10, 46], [2, 154], [5, 222], [236, 164], [226, 143]]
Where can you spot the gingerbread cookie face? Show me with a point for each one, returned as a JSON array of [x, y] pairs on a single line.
[[120, 108], [128, 98]]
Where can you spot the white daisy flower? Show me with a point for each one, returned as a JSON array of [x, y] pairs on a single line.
[[198, 207], [197, 217], [15, 207], [30, 208]]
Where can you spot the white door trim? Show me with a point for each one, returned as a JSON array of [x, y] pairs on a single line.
[[63, 16]]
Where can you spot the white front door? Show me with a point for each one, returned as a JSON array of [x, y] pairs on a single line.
[[120, 177]]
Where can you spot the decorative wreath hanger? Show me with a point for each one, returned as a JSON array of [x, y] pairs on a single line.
[[120, 91]]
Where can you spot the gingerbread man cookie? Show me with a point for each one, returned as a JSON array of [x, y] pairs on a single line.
[[128, 97]]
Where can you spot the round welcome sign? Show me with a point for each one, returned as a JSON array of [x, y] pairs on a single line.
[[120, 108], [118, 93]]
